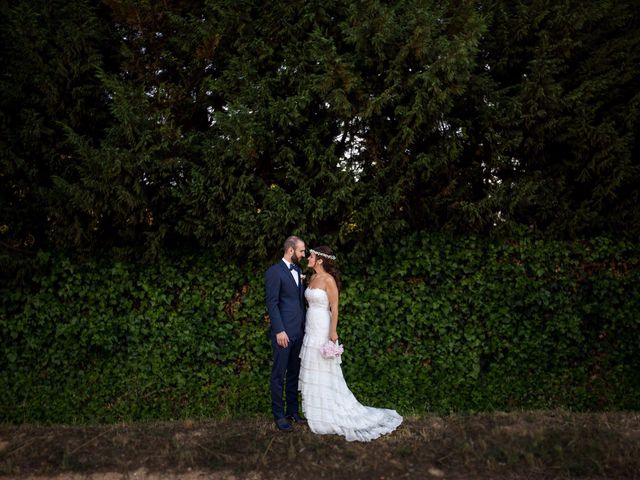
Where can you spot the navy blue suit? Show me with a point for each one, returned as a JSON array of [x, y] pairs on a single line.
[[286, 308]]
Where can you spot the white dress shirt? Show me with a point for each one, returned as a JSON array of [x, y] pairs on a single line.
[[294, 273]]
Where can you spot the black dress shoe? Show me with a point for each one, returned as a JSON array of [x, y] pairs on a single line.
[[297, 419], [283, 425]]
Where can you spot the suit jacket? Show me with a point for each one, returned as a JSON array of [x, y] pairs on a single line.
[[285, 301]]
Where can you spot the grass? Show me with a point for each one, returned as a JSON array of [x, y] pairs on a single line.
[[531, 445]]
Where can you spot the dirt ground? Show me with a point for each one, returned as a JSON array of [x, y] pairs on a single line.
[[525, 445]]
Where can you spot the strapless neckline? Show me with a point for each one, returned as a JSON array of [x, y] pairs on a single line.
[[315, 299]]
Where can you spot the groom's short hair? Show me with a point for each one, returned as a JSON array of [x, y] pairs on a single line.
[[292, 241]]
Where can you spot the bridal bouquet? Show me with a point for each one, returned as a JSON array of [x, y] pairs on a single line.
[[331, 349]]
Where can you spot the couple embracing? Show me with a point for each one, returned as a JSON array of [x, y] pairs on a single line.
[[298, 335]]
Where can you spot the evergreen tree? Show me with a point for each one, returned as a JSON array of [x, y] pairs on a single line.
[[49, 51], [414, 61], [146, 126], [551, 120], [270, 164], [129, 176]]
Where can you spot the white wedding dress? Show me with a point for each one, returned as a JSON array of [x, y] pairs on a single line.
[[327, 402]]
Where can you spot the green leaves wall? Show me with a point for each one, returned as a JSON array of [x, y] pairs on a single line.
[[436, 324]]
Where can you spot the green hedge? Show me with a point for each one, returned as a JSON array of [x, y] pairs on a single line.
[[435, 324]]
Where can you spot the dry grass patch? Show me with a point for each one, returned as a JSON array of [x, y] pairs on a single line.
[[532, 445]]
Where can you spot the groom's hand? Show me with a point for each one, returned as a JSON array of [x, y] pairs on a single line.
[[282, 339]]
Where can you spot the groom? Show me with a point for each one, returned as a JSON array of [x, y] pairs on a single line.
[[285, 305]]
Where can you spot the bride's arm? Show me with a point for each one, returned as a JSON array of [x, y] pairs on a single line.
[[333, 294]]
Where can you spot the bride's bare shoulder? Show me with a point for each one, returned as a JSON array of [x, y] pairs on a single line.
[[330, 283]]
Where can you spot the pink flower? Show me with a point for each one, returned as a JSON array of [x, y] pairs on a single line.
[[331, 350]]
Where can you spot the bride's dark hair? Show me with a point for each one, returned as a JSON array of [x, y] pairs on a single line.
[[329, 264]]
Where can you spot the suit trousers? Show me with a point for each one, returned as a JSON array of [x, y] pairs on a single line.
[[284, 374]]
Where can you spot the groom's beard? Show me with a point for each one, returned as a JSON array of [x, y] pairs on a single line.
[[295, 259]]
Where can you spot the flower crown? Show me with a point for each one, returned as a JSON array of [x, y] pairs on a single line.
[[325, 255]]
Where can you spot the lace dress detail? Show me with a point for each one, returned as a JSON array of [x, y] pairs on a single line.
[[327, 402]]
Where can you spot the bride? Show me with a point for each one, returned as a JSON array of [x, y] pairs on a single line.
[[327, 402]]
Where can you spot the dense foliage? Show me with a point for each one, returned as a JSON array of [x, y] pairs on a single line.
[[141, 127], [438, 324], [154, 154]]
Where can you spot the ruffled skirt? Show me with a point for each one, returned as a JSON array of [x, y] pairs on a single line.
[[328, 404]]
